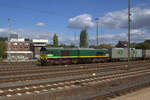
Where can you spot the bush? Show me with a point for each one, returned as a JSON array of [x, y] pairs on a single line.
[[2, 50]]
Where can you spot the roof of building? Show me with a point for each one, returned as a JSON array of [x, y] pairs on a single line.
[[39, 41], [17, 40], [122, 44]]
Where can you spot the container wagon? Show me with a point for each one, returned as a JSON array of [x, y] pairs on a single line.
[[118, 54], [146, 54]]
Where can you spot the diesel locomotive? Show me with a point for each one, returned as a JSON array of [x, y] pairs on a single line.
[[72, 55]]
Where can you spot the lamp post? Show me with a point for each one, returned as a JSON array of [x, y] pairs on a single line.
[[97, 19], [8, 50], [129, 33]]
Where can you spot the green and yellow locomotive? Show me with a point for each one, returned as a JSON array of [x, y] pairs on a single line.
[[72, 55]]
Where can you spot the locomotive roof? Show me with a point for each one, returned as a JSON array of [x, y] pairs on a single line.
[[76, 48]]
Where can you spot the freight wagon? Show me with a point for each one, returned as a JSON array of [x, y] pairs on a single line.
[[146, 54], [117, 54]]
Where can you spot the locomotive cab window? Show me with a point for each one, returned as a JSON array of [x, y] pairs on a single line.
[[43, 52], [100, 54]]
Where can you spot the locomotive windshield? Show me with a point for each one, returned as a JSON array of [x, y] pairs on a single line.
[[43, 51]]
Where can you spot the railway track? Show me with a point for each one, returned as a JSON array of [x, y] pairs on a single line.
[[37, 80], [32, 71], [30, 66], [74, 83], [20, 71], [38, 76]]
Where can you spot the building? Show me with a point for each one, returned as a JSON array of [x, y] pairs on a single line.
[[25, 49], [20, 49], [122, 44], [36, 45]]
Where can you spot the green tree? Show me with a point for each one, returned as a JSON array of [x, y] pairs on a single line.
[[143, 45], [2, 49], [102, 46], [3, 38], [55, 40], [92, 46], [72, 46], [106, 46], [83, 39], [147, 41], [62, 45]]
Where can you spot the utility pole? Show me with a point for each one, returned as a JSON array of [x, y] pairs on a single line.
[[75, 39], [8, 50], [96, 19], [129, 34]]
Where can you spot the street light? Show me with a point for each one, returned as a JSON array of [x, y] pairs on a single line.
[[97, 19], [129, 33], [8, 49]]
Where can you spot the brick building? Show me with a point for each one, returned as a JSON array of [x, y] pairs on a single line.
[[20, 49]]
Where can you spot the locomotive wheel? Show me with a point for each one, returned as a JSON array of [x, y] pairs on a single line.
[[43, 62]]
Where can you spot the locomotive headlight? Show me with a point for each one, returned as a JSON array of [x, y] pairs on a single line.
[[107, 54], [40, 57], [49, 55]]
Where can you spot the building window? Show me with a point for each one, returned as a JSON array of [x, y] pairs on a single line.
[[15, 47], [14, 43], [27, 44]]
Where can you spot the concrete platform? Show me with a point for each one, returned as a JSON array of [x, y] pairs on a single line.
[[143, 94]]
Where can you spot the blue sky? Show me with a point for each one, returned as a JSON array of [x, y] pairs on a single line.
[[55, 14]]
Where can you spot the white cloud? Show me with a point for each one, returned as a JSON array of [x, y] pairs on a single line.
[[140, 18], [33, 34], [28, 33], [137, 35], [40, 24], [81, 21], [3, 32]]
